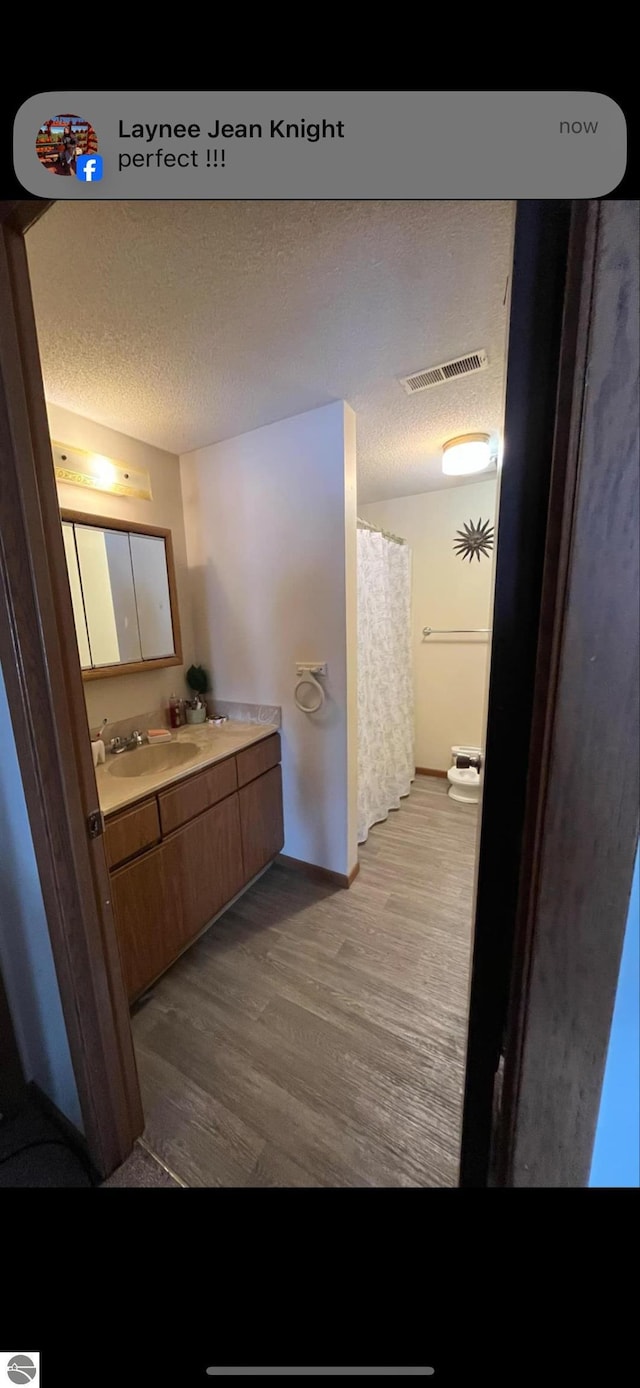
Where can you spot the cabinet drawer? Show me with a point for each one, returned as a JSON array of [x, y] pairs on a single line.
[[254, 761], [191, 797], [128, 833]]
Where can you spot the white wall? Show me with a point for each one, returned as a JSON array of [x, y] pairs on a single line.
[[450, 673], [270, 525], [125, 695], [25, 950]]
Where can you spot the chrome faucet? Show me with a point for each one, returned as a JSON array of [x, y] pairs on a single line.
[[126, 744]]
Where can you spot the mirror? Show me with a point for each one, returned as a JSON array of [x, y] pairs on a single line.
[[123, 592]]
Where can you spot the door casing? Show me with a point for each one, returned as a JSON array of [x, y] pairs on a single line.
[[46, 700]]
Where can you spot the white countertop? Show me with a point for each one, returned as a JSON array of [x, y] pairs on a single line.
[[211, 744]]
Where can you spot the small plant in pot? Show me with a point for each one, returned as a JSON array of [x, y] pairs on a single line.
[[198, 681]]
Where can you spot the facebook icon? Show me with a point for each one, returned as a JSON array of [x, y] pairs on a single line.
[[89, 168]]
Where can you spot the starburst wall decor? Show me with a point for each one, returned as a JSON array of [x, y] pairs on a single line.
[[473, 539]]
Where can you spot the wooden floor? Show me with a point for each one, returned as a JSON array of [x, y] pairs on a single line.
[[315, 1037]]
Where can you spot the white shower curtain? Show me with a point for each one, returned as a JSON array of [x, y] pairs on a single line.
[[386, 765]]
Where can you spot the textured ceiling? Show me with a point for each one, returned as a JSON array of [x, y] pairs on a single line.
[[183, 323]]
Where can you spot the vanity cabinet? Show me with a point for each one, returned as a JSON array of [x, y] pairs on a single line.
[[210, 840]]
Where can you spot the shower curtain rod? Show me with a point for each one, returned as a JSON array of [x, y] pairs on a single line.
[[366, 525]]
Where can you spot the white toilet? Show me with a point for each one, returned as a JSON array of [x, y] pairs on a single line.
[[464, 782]]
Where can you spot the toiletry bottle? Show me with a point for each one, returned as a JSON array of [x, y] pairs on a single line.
[[174, 711]]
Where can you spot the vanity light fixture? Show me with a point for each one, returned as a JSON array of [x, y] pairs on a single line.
[[82, 469], [466, 454]]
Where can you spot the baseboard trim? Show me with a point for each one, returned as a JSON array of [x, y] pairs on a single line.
[[430, 771], [318, 874]]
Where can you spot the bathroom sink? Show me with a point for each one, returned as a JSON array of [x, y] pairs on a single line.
[[146, 760]]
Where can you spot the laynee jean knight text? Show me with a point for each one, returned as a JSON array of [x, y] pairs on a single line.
[[228, 130]]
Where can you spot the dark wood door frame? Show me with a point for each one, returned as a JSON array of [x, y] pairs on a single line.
[[46, 700], [548, 235], [560, 814], [581, 826]]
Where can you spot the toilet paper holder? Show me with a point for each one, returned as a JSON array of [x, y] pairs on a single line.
[[307, 672]]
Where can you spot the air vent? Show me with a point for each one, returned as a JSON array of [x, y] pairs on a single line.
[[446, 371]]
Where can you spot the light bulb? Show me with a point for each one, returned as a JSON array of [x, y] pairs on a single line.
[[466, 454]]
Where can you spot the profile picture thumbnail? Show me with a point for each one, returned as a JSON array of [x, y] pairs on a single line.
[[63, 140]]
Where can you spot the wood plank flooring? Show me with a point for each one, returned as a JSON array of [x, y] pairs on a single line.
[[315, 1037]]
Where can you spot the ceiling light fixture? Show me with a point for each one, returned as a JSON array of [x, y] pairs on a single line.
[[466, 454]]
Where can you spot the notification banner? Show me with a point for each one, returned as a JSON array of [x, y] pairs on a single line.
[[311, 144]]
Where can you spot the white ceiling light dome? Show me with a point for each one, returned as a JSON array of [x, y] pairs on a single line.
[[466, 454]]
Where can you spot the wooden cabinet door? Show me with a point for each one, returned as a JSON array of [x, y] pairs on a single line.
[[261, 821], [148, 916], [166, 897], [204, 862]]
